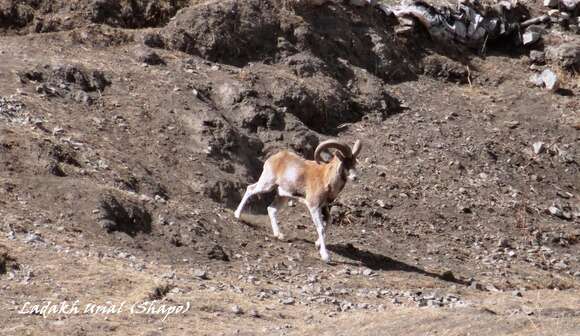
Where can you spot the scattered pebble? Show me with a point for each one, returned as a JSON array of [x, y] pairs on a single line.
[[288, 301], [503, 242], [556, 211], [32, 238], [538, 147], [200, 274], [237, 310]]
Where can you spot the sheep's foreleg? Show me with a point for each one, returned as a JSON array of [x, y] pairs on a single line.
[[272, 210], [326, 221], [316, 213]]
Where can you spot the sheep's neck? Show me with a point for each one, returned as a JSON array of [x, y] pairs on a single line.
[[335, 183]]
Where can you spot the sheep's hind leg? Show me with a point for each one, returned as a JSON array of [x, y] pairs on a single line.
[[265, 184]]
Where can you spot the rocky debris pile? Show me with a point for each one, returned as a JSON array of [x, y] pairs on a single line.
[[69, 81], [341, 299], [477, 25], [474, 23], [469, 23], [540, 256], [564, 211], [565, 56], [557, 49], [565, 153], [547, 258], [12, 110], [33, 238], [422, 299], [313, 287], [564, 12]]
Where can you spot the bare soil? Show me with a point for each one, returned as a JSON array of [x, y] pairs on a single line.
[[129, 132]]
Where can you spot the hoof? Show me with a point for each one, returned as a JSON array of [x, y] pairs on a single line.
[[281, 237], [325, 257], [237, 214]]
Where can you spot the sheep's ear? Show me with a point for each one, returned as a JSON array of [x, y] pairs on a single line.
[[356, 148], [339, 155]]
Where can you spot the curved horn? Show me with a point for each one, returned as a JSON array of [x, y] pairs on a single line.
[[331, 144], [356, 148]]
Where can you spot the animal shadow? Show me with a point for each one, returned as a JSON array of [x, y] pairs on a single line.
[[376, 261]]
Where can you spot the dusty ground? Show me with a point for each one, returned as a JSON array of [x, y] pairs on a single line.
[[119, 177]]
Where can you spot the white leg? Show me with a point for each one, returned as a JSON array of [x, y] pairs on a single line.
[[264, 184], [272, 210], [249, 192], [316, 214], [325, 220]]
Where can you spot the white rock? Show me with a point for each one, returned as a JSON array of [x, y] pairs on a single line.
[[200, 274], [538, 147], [530, 37], [550, 3], [555, 211], [569, 4], [237, 310], [550, 80], [33, 238], [536, 80]]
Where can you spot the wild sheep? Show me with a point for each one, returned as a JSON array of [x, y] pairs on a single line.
[[314, 183]]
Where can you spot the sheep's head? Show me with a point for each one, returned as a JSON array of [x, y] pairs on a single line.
[[344, 154]]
